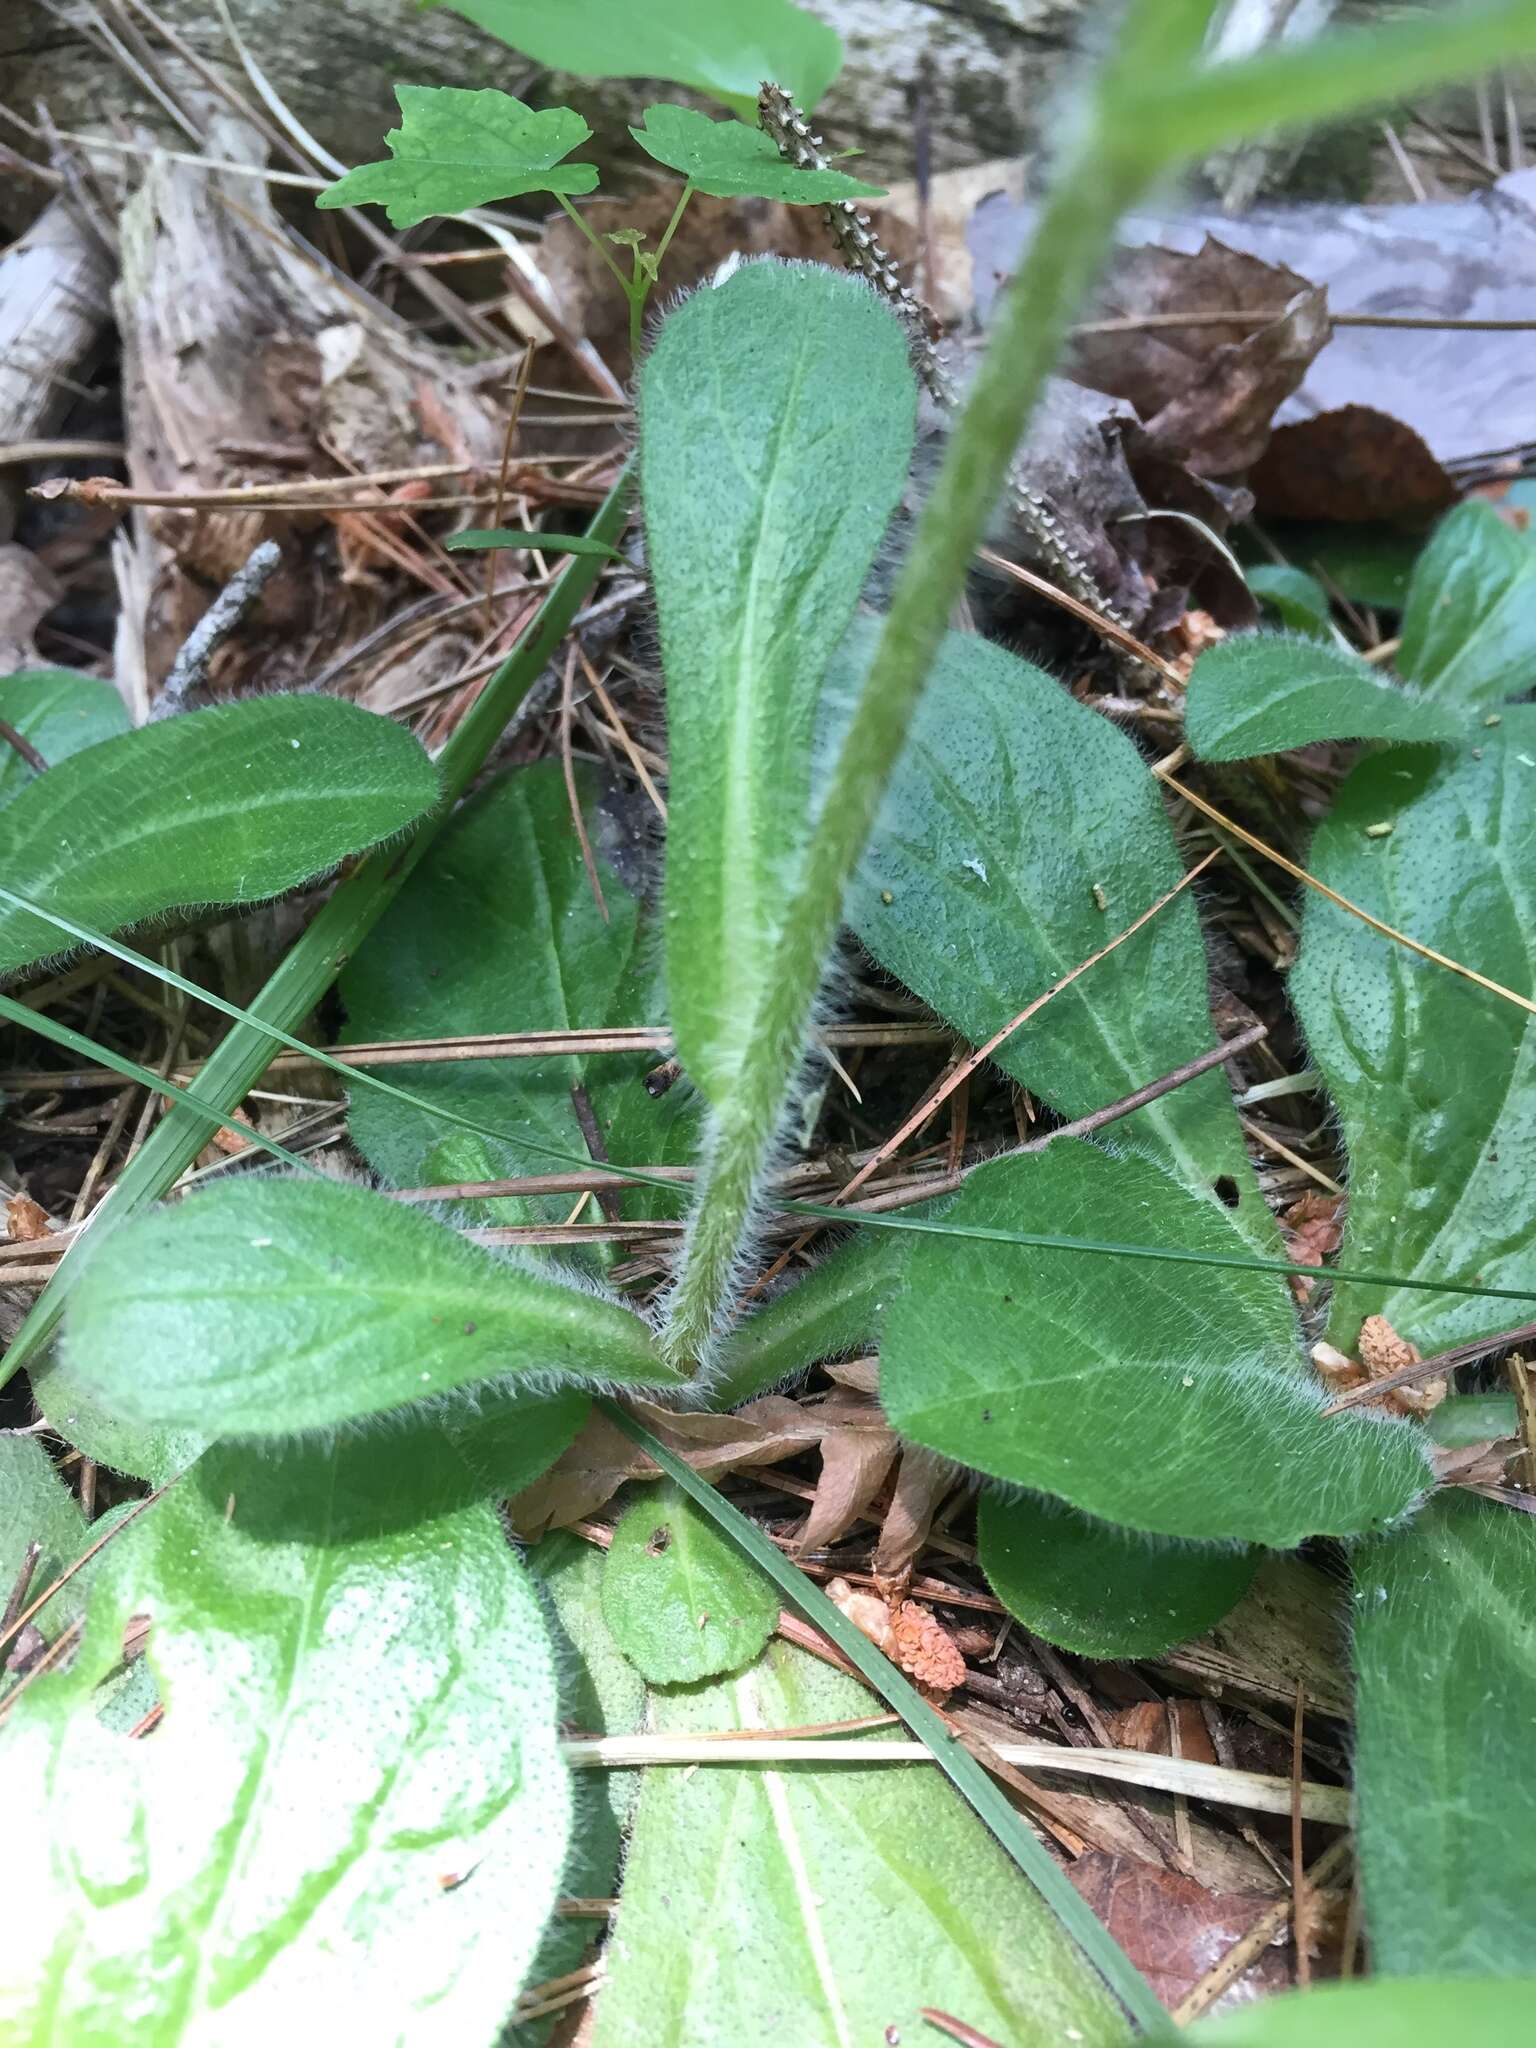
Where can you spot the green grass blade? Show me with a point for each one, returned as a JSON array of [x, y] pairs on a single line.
[[1235, 1263], [87, 1048], [962, 1769], [340, 926]]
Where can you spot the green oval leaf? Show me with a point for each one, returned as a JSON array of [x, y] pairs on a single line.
[[1445, 1649], [776, 419], [497, 930], [1020, 833], [682, 1601], [455, 150], [36, 1507], [1261, 693], [269, 1306], [231, 805], [838, 1901], [1435, 1079], [355, 1791], [837, 1307], [1155, 1399], [1374, 2014], [729, 160], [1469, 626], [60, 712], [726, 48], [479, 539], [1097, 1590], [1299, 599]]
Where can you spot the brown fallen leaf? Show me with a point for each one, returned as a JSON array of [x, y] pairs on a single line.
[[922, 1481], [1350, 465], [25, 1220], [857, 1452], [1208, 391], [1175, 1929]]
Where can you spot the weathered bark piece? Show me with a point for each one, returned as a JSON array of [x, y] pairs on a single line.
[[54, 306], [245, 362]]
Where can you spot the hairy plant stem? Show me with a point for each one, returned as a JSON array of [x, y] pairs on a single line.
[[1076, 227]]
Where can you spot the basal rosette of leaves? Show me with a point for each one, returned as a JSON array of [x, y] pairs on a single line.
[[335, 1771]]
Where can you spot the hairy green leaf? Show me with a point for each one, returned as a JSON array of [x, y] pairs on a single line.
[[497, 930], [477, 539], [1473, 1419], [776, 420], [1445, 1650], [1260, 693], [775, 425], [1435, 1079], [1013, 812], [681, 1600], [1097, 1590], [837, 1307], [1369, 564], [1469, 626], [728, 160], [144, 1450], [726, 48], [355, 1794], [231, 805], [59, 712], [269, 1306], [454, 150], [1299, 599], [36, 1507], [335, 932], [1369, 2014], [601, 1694], [824, 1903], [1161, 1402]]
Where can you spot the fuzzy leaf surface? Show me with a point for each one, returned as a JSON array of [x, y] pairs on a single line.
[[1097, 1590], [1373, 2013], [61, 712], [1299, 599], [601, 1693], [1469, 626], [725, 49], [36, 1507], [681, 1600], [1010, 806], [231, 805], [355, 1793], [837, 1307], [1146, 1395], [805, 1902], [1261, 693], [455, 150], [497, 930], [1409, 1049], [729, 160], [776, 419], [268, 1306], [1445, 1652]]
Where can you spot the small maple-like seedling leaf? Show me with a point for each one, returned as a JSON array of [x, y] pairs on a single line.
[[459, 149], [728, 160]]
